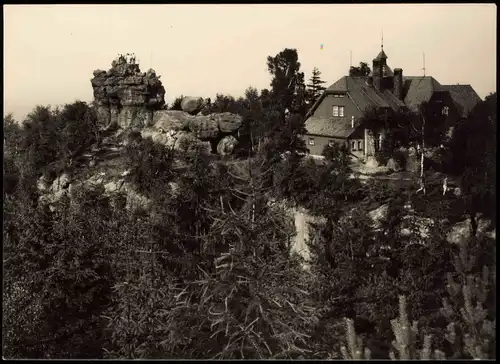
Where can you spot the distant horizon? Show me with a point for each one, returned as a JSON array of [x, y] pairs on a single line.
[[196, 56]]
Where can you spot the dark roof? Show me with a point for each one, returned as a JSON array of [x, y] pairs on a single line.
[[364, 95], [419, 89], [381, 55], [464, 97], [330, 127]]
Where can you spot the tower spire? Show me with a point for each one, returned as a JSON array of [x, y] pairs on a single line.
[[382, 43]]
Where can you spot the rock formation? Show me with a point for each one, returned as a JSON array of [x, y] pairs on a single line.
[[129, 99], [125, 96]]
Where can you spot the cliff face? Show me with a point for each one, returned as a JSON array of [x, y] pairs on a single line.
[[125, 96]]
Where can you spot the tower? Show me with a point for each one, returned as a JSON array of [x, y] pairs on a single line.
[[382, 74]]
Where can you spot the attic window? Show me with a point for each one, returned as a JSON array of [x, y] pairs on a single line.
[[338, 111], [445, 110]]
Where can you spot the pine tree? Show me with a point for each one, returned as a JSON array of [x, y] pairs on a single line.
[[314, 88], [255, 301]]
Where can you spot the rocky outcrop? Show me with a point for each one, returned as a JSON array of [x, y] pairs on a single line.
[[64, 186], [128, 99], [172, 127], [125, 96]]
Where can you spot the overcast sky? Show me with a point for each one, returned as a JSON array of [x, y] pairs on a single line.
[[50, 51]]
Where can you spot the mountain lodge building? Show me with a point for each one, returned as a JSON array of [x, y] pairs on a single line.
[[335, 116]]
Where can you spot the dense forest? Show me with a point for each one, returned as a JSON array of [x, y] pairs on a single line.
[[207, 271]]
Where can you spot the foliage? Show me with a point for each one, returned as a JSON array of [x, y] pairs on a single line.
[[150, 164], [362, 70], [57, 277], [176, 104], [314, 88], [470, 307], [52, 140], [473, 150]]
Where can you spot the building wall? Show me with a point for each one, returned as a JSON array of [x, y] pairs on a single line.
[[437, 102], [325, 109], [319, 143], [357, 147]]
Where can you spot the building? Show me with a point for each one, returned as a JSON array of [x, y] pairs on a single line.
[[335, 116]]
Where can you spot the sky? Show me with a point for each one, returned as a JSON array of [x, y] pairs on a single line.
[[50, 51]]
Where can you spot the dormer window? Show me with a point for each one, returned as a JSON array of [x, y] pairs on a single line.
[[445, 110], [338, 111]]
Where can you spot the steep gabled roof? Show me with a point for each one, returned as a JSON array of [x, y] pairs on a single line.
[[362, 94], [419, 89], [464, 97], [332, 126]]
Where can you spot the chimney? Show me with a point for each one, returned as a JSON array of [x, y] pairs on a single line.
[[398, 83], [352, 121]]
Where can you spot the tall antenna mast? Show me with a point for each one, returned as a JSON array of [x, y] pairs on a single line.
[[350, 59], [424, 63]]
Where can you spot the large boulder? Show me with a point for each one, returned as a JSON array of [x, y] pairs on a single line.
[[204, 127], [177, 140], [226, 145], [228, 122], [192, 105], [170, 120]]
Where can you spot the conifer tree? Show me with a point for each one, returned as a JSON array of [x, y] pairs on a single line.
[[314, 87]]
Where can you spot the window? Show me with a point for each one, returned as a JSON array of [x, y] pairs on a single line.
[[338, 111], [330, 143], [360, 145], [445, 110], [338, 95], [353, 145], [311, 141]]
